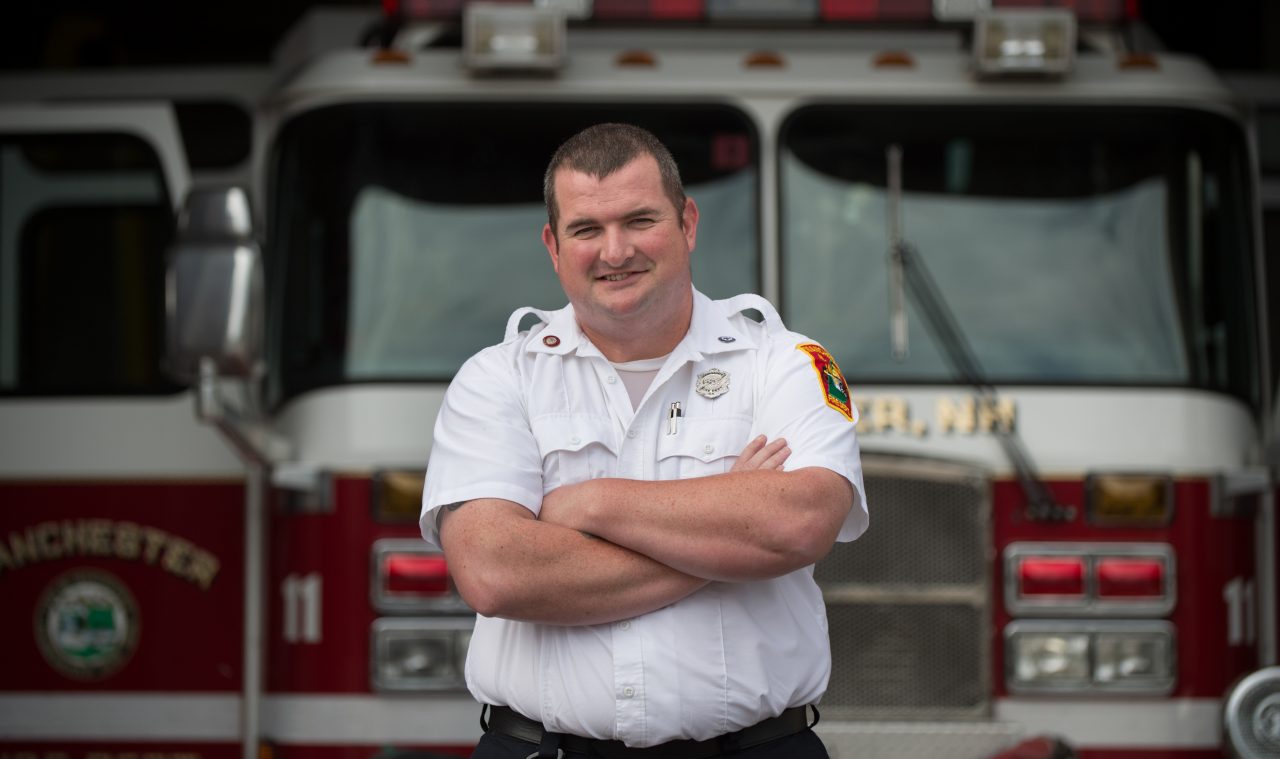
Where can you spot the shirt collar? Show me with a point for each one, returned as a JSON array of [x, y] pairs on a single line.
[[710, 332]]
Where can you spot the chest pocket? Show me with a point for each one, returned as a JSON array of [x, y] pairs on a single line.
[[574, 448], [704, 445]]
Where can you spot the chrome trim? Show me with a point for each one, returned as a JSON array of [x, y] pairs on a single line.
[[1090, 605], [1251, 715], [384, 630], [1092, 629], [387, 604]]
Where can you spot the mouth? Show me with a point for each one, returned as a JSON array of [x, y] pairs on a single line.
[[618, 277]]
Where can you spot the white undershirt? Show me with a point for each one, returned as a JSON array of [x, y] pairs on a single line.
[[638, 375]]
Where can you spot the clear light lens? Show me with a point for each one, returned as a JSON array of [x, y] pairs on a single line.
[[1024, 41], [420, 655], [1048, 658], [513, 37], [1144, 659], [1102, 656]]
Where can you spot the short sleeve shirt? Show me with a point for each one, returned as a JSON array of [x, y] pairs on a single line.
[[544, 409]]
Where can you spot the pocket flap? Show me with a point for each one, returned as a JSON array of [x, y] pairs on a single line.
[[706, 439], [572, 432]]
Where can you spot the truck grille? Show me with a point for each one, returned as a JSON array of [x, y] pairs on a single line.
[[908, 602]]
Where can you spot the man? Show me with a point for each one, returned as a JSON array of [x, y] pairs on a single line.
[[632, 494]]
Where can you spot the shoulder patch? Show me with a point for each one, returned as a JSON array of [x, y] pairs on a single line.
[[834, 389]]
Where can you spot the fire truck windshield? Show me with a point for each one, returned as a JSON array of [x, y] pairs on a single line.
[[404, 235], [1073, 246]]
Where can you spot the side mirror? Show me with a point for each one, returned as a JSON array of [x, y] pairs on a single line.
[[213, 287]]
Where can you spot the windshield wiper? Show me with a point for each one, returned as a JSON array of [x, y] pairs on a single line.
[[907, 271]]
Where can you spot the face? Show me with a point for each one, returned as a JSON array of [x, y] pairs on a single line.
[[622, 255]]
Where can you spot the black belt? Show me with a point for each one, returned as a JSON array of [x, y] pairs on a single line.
[[515, 725]]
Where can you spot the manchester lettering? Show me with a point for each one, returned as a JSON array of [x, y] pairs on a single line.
[[50, 541]]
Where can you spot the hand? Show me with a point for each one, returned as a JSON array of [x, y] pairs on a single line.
[[762, 454]]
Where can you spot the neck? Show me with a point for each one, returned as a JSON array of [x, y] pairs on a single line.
[[627, 340]]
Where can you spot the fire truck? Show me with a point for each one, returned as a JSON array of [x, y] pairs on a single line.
[[230, 305]]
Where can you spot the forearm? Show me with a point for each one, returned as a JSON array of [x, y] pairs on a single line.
[[507, 564], [744, 525]]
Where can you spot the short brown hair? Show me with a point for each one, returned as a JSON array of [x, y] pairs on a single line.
[[603, 149]]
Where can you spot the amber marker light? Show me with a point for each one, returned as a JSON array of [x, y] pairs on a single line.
[[396, 496], [1129, 500]]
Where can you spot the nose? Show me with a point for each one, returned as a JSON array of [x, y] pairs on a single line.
[[615, 250]]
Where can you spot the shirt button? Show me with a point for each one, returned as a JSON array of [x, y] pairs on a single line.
[[611, 379], [628, 691], [575, 440], [708, 448], [624, 625], [631, 433]]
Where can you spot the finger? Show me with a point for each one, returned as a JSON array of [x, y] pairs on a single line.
[[752, 448], [754, 456], [777, 459]]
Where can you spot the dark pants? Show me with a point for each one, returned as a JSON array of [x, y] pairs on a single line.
[[802, 745]]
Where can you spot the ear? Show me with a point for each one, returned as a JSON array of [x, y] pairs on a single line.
[[689, 221], [552, 245]]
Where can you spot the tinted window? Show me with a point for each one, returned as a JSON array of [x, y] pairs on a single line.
[[404, 235], [1072, 246], [86, 224]]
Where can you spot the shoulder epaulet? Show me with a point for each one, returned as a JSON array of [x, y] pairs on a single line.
[[513, 323], [739, 303]]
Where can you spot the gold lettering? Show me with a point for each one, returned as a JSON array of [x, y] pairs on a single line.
[[73, 538], [864, 423], [23, 548], [98, 537], [128, 540], [47, 540], [153, 540], [890, 413], [177, 552], [203, 568], [953, 417], [998, 414]]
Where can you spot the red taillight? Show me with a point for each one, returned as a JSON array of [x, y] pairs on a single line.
[[1130, 578], [1056, 576], [409, 574], [1091, 579]]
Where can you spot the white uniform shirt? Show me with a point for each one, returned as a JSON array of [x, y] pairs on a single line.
[[544, 409]]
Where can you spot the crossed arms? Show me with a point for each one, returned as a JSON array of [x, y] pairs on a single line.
[[608, 549]]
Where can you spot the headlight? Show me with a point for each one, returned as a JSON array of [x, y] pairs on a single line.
[[1063, 656], [420, 654]]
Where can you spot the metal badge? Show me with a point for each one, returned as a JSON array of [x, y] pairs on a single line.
[[551, 341], [712, 383], [726, 339]]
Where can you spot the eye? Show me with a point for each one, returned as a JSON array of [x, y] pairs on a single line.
[[643, 222], [582, 233]]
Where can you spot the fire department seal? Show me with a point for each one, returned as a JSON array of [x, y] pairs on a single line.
[[712, 383], [86, 624], [834, 389]]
